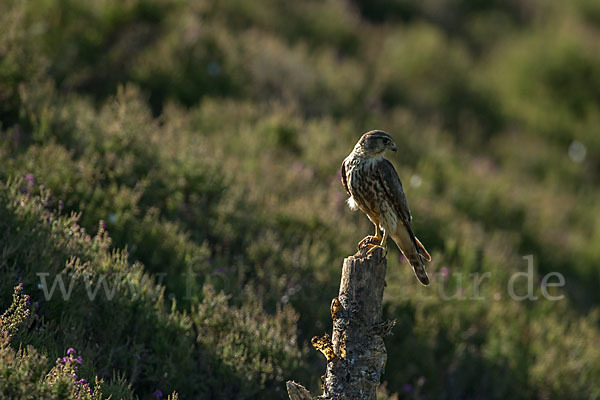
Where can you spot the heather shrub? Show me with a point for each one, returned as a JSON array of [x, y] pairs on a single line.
[[162, 348], [22, 370]]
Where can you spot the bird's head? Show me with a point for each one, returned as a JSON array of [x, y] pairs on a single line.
[[375, 143]]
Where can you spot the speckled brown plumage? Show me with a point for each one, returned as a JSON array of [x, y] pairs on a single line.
[[374, 187]]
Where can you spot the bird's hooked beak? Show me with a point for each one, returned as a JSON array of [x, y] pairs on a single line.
[[393, 147]]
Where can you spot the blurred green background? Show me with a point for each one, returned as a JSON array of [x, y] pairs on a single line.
[[145, 137]]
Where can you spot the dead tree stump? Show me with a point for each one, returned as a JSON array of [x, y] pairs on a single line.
[[355, 353]]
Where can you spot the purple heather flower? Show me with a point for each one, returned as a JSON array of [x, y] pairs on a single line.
[[27, 301], [78, 360], [82, 381], [407, 388], [71, 351], [61, 204], [20, 285], [30, 178], [157, 394]]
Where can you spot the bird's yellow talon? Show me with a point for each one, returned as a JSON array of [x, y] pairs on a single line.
[[369, 240], [373, 247]]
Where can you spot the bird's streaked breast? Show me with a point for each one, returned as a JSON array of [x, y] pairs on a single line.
[[363, 184]]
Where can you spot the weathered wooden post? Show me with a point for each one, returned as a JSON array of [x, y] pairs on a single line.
[[356, 354]]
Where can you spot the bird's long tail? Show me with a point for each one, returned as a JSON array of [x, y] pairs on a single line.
[[415, 253], [416, 262], [422, 250]]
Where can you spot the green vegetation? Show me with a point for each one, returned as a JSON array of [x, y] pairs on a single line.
[[186, 155]]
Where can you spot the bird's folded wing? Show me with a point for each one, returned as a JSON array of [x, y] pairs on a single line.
[[344, 180], [394, 191]]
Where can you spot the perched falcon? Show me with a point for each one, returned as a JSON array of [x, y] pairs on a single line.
[[374, 186]]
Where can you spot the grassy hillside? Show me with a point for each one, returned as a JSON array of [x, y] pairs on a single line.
[[186, 154]]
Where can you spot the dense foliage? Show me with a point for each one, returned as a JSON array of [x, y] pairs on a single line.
[[184, 156]]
